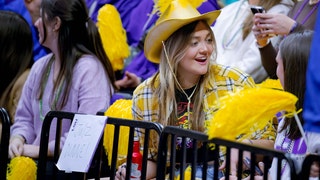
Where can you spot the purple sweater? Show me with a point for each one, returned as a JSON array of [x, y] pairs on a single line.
[[90, 92]]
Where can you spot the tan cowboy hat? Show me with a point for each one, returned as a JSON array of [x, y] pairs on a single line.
[[174, 17]]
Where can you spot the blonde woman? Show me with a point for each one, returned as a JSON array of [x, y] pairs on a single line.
[[185, 91]]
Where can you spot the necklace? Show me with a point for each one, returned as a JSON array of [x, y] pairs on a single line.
[[309, 14], [56, 94], [175, 78], [189, 98]]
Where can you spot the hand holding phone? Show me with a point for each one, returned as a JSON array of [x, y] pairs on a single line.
[[259, 9]]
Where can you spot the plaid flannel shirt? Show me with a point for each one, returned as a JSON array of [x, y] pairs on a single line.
[[226, 79]]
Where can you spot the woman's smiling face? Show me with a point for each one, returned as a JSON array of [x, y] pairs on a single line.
[[196, 59]]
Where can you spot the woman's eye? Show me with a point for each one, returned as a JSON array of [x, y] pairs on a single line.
[[194, 43], [209, 40]]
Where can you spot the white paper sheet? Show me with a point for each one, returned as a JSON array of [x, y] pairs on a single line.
[[82, 140]]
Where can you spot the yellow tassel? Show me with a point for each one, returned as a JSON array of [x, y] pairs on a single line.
[[119, 109], [113, 36], [252, 107], [22, 168], [161, 5]]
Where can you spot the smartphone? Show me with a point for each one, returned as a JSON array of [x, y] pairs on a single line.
[[257, 9], [246, 161]]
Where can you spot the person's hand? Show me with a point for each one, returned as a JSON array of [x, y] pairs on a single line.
[[260, 35], [121, 172], [16, 146], [234, 161], [271, 24], [130, 80]]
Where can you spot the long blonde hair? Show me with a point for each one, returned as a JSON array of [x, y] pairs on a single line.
[[176, 46]]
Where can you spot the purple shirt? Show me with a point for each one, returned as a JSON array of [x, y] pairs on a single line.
[[90, 92]]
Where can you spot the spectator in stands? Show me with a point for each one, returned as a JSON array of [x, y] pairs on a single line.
[[138, 68], [236, 43], [292, 61], [301, 16], [76, 77], [15, 58], [185, 91]]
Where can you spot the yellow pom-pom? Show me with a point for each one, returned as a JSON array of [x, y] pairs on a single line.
[[119, 109], [161, 5], [187, 174], [271, 83], [252, 107], [22, 168], [113, 36]]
